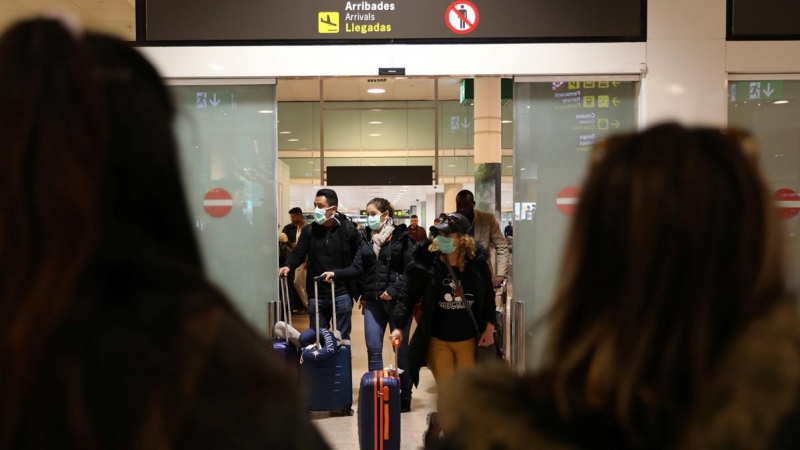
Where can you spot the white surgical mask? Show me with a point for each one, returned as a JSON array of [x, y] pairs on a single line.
[[319, 215], [374, 222]]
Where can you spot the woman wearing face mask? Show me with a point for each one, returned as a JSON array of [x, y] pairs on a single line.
[[445, 335], [379, 264]]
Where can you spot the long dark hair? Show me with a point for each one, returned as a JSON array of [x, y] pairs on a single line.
[[674, 248], [95, 239]]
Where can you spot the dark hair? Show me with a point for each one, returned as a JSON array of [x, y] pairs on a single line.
[[465, 194], [383, 205], [89, 162], [674, 247], [414, 216], [330, 196], [296, 210]]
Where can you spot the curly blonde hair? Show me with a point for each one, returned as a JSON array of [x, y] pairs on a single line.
[[466, 248]]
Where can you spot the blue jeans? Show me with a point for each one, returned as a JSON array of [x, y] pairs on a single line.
[[376, 318], [344, 314]]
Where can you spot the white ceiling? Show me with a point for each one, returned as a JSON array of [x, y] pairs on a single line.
[[117, 17], [355, 89]]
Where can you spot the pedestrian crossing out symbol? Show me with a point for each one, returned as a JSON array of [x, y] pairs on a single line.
[[462, 17]]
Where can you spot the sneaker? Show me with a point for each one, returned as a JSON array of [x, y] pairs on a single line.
[[405, 405]]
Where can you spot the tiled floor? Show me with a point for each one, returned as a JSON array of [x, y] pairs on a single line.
[[341, 432]]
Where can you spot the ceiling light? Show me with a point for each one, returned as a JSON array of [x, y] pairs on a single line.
[[266, 111], [376, 91], [781, 102], [400, 78], [405, 186], [285, 132], [523, 169], [375, 122], [451, 165], [311, 162], [376, 110], [506, 121], [374, 135], [294, 140]]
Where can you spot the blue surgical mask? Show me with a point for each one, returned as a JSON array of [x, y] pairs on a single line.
[[374, 222], [445, 244], [319, 215]]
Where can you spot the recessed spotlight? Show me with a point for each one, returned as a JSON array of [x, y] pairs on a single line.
[[285, 132], [266, 111], [781, 102], [523, 169], [294, 140], [376, 91], [374, 135], [506, 121], [375, 122]]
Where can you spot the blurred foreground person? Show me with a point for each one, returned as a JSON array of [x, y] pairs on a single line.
[[112, 336], [671, 327]]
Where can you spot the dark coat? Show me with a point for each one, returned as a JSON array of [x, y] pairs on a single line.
[[421, 275], [327, 249], [753, 402], [384, 272]]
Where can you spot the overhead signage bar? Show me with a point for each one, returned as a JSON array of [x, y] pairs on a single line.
[[343, 21]]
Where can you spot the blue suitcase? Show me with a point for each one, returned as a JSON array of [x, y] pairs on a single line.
[[379, 410], [330, 381], [284, 349]]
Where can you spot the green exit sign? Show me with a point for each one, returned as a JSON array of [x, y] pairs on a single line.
[[743, 91], [467, 91]]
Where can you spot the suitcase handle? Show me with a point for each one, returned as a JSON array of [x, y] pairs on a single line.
[[333, 304]]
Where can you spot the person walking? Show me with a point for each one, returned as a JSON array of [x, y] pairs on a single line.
[[292, 231], [483, 227], [379, 265], [417, 232], [331, 242], [445, 337]]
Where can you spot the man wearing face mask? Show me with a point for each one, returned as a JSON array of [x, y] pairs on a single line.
[[329, 243]]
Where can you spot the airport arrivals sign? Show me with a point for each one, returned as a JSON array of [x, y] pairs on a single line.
[[338, 21]]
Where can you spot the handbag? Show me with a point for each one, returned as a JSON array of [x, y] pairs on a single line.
[[490, 353]]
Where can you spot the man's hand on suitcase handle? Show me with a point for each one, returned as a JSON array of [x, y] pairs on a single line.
[[284, 271], [326, 276]]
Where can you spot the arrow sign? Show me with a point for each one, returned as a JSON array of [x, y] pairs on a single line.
[[615, 124], [465, 123], [616, 101], [214, 101], [769, 91], [615, 83]]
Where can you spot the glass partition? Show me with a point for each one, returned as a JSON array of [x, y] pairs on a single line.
[[227, 140], [770, 109], [556, 124]]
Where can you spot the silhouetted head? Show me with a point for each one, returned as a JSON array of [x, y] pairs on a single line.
[[674, 247], [465, 204]]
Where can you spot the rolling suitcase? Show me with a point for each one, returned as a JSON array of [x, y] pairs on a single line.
[[379, 408], [330, 381], [285, 350]]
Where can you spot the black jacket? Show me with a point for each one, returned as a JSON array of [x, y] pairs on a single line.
[[752, 402], [327, 249], [420, 276], [384, 273]]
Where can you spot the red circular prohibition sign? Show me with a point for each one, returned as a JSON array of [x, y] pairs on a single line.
[[218, 202], [454, 12]]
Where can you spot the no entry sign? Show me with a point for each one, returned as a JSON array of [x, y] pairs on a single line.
[[567, 200], [788, 203], [218, 202], [462, 17]]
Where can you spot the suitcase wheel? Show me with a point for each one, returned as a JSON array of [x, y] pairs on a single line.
[[349, 411]]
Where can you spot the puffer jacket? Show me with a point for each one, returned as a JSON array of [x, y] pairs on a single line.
[[421, 275], [752, 402], [384, 272]]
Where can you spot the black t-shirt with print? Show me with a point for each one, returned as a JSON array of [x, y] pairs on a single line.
[[451, 322]]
